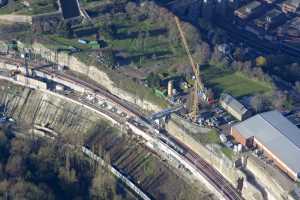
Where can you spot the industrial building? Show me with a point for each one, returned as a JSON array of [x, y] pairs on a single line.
[[276, 136], [234, 107]]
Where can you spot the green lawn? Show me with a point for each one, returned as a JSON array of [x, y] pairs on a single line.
[[60, 41], [227, 152], [36, 7], [235, 83], [213, 137]]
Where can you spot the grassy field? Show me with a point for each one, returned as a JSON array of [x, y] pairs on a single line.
[[143, 41], [227, 152], [235, 83], [36, 7]]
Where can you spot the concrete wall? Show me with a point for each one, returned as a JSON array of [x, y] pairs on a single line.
[[277, 185], [188, 125], [33, 82], [250, 142], [219, 161], [280, 164]]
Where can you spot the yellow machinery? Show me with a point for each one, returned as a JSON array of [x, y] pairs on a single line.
[[198, 85]]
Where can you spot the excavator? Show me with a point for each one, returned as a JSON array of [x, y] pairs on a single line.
[[199, 89]]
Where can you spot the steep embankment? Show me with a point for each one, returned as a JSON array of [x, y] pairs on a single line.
[[95, 74], [78, 125], [34, 107]]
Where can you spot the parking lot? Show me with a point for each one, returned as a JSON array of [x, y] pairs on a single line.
[[217, 118]]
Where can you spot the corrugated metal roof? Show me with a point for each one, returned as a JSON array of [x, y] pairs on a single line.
[[277, 134]]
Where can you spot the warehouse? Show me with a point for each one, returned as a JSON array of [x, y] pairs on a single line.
[[234, 107], [276, 136]]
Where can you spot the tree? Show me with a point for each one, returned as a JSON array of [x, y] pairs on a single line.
[[15, 166], [2, 173], [20, 147], [202, 53], [279, 99], [4, 145], [103, 186], [297, 86], [131, 8], [261, 61], [153, 80], [216, 56], [258, 103], [26, 190], [96, 190]]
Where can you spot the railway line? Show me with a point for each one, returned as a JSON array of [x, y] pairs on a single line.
[[214, 177], [211, 174]]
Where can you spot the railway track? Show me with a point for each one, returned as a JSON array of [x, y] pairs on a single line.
[[211, 174], [214, 177]]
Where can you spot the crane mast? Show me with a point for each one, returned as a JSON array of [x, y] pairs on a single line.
[[198, 85]]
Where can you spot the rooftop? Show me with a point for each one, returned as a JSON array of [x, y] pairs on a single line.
[[233, 103], [295, 3], [250, 7], [70, 8], [277, 134]]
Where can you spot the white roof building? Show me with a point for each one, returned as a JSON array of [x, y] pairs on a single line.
[[276, 135]]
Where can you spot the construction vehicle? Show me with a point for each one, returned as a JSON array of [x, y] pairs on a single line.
[[199, 89]]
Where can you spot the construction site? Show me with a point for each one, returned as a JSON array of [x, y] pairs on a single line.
[[117, 69]]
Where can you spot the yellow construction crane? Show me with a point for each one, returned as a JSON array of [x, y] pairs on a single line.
[[198, 85]]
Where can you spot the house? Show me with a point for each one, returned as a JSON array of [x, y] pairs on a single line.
[[276, 136]]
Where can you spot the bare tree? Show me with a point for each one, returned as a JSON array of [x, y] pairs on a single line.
[[202, 53], [15, 166], [278, 99], [297, 86], [258, 103]]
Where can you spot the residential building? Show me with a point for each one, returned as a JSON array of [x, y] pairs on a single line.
[[276, 136], [271, 19], [249, 10], [290, 6]]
